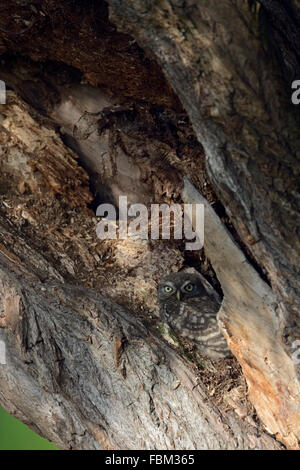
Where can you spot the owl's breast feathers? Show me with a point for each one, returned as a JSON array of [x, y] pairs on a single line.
[[196, 320]]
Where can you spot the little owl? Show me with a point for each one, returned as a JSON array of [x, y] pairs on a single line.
[[190, 310]]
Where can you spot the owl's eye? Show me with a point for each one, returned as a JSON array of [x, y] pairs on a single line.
[[168, 289], [189, 287]]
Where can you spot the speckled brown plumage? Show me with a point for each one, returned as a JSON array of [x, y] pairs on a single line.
[[190, 310]]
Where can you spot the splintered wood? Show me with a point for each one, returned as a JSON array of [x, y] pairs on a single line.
[[249, 319]]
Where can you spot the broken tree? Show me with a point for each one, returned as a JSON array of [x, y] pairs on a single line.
[[131, 97]]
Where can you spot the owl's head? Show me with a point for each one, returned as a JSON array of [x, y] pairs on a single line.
[[180, 286]]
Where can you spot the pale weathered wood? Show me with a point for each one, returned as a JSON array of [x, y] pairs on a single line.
[[251, 321]]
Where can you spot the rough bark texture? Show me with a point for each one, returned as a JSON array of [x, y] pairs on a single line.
[[87, 374], [82, 370]]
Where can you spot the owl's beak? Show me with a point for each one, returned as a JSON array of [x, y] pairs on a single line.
[[178, 295]]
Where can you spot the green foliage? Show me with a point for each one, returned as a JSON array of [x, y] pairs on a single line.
[[14, 435]]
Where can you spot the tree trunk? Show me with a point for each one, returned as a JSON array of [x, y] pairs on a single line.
[[144, 98]]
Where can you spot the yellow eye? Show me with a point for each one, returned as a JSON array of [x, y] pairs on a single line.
[[168, 289], [189, 287]]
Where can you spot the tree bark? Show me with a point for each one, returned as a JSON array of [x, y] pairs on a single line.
[[87, 366], [86, 374]]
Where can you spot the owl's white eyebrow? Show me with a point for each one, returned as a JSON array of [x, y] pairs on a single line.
[[186, 283]]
